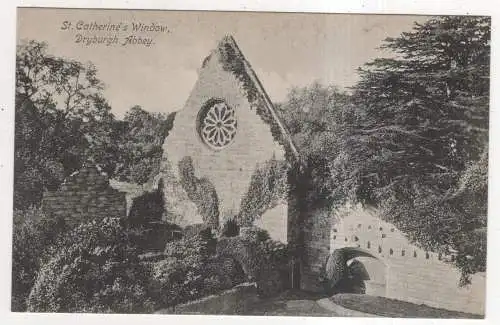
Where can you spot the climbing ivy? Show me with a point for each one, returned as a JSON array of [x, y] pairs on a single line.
[[201, 191], [268, 186], [233, 61]]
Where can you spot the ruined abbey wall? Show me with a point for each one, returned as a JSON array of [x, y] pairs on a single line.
[[229, 169], [85, 195], [404, 271]]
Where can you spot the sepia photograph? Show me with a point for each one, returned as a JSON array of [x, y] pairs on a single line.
[[250, 163]]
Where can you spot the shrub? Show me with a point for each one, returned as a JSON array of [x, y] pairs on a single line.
[[149, 207], [265, 262], [255, 234], [33, 233], [190, 271], [93, 269], [153, 236], [230, 228]]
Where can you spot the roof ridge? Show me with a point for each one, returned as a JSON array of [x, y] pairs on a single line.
[[229, 39]]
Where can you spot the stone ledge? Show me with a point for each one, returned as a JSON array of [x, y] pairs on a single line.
[[229, 302], [342, 311]]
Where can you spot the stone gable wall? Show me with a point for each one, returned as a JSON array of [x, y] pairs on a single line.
[[85, 195], [229, 169]]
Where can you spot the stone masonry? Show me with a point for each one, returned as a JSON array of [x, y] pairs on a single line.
[[402, 270], [83, 196]]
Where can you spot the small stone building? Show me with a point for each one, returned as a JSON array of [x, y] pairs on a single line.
[[85, 195]]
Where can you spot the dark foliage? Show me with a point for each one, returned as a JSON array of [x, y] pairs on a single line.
[[93, 269], [33, 234], [230, 228], [265, 262], [190, 270], [267, 186], [140, 144], [201, 191], [149, 207], [423, 119], [63, 121]]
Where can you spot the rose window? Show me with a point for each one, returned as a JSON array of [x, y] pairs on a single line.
[[217, 124]]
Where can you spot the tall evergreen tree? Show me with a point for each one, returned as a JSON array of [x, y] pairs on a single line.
[[423, 120]]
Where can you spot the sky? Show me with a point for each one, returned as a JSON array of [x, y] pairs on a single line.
[[285, 49]]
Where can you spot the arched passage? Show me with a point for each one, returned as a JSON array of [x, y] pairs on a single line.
[[375, 272], [357, 271]]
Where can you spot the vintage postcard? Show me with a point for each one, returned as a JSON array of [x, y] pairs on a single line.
[[250, 163]]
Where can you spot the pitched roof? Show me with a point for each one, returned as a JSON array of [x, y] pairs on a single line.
[[233, 60]]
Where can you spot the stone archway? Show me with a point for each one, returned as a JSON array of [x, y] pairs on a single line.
[[372, 271], [355, 270]]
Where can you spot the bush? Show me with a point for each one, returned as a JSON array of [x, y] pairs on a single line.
[[33, 233], [153, 236], [93, 269], [190, 271], [149, 207], [255, 234], [230, 228], [265, 262]]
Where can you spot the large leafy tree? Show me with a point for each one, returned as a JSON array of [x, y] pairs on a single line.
[[140, 144], [62, 121], [421, 129], [314, 116]]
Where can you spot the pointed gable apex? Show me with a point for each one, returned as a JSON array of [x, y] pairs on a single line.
[[233, 61]]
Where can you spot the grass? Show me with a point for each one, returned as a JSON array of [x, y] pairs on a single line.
[[386, 307], [290, 303]]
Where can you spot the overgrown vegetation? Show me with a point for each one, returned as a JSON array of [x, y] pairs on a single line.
[[33, 234], [63, 121], [406, 138], [201, 191], [191, 270], [411, 138], [265, 261], [140, 144], [92, 269], [423, 119], [268, 185]]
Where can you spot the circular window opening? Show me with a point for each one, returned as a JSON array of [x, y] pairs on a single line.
[[217, 124]]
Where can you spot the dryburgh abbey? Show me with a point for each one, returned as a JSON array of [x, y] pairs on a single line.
[[123, 34], [223, 133]]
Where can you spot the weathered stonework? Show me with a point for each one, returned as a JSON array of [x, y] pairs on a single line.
[[230, 168], [402, 270], [85, 195]]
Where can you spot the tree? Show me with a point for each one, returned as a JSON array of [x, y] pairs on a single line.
[[422, 120], [315, 116], [62, 121], [140, 144]]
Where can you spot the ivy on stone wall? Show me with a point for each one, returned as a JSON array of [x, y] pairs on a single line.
[[268, 186], [201, 191], [233, 61]]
